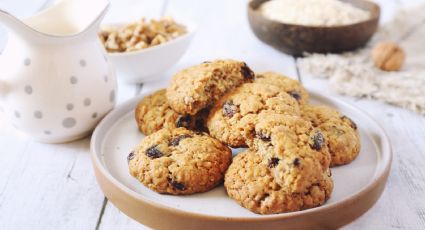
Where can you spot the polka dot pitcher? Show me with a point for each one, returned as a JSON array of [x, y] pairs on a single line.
[[55, 80]]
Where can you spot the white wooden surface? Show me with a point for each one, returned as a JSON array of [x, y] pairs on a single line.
[[46, 186]]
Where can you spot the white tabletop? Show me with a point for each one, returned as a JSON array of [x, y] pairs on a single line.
[[44, 186]]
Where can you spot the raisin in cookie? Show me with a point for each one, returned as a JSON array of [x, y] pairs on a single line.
[[179, 161], [291, 86], [276, 135], [199, 86], [235, 114], [252, 181], [340, 132], [153, 113]]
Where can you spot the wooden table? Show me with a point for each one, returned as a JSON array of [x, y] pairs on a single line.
[[44, 186]]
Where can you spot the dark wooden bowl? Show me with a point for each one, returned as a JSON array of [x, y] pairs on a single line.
[[297, 39]]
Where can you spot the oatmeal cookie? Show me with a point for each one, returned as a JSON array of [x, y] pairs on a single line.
[[276, 135], [291, 86], [199, 86], [252, 182], [234, 115], [340, 132], [153, 113], [179, 161]]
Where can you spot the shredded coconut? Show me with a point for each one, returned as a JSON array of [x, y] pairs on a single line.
[[353, 73], [313, 12]]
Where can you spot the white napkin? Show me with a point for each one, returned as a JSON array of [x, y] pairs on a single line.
[[353, 73]]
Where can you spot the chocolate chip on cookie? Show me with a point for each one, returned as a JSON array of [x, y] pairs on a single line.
[[176, 140], [263, 137], [130, 156], [352, 124], [229, 109], [317, 141], [273, 162], [247, 72], [295, 95], [176, 185], [296, 162], [183, 121], [153, 152]]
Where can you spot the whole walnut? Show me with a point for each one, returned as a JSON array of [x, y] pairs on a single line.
[[388, 56]]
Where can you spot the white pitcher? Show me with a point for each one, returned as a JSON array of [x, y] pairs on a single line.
[[55, 80]]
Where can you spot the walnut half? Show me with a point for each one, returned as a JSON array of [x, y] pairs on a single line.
[[388, 56], [140, 35]]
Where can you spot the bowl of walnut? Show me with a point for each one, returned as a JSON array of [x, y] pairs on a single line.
[[313, 26], [142, 50]]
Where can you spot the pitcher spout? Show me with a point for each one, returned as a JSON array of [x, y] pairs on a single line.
[[67, 18], [71, 18], [14, 24]]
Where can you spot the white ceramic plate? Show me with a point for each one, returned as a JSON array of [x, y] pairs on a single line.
[[362, 180]]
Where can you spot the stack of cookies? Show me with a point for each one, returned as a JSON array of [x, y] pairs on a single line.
[[210, 107]]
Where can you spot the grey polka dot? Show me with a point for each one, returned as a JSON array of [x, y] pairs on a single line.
[[38, 114], [73, 80], [112, 96], [69, 122], [105, 78], [28, 89], [94, 115], [17, 114], [47, 132], [27, 62], [69, 107], [87, 102], [82, 63]]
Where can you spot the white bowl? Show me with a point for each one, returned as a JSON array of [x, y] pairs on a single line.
[[145, 65]]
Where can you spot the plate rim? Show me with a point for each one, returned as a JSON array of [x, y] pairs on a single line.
[[381, 173]]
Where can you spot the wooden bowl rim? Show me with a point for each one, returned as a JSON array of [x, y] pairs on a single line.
[[375, 14]]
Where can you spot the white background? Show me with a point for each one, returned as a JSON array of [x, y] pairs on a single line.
[[46, 186]]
